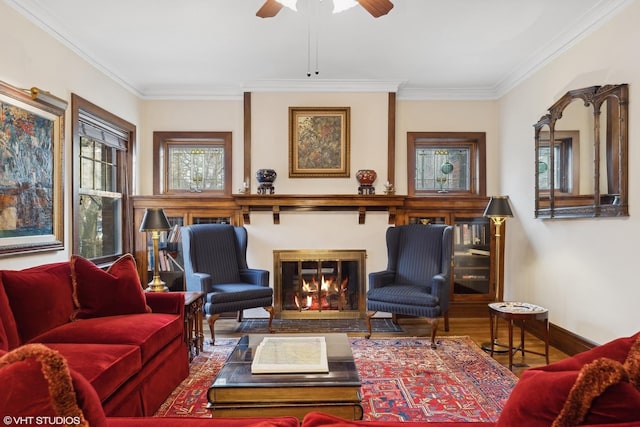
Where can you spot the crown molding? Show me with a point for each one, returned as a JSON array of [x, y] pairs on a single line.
[[322, 85], [589, 22], [192, 93], [446, 93]]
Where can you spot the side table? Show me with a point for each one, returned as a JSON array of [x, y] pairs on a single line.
[[518, 312], [193, 329]]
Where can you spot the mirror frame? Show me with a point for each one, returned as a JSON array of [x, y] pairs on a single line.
[[599, 204]]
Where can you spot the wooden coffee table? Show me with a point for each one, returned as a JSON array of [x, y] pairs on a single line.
[[236, 392]]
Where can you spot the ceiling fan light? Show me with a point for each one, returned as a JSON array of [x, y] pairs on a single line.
[[342, 5], [291, 4]]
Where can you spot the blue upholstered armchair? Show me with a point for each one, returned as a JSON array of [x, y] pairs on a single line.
[[417, 279], [215, 262]]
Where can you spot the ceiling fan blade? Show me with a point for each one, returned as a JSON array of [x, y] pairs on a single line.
[[376, 8], [269, 9]]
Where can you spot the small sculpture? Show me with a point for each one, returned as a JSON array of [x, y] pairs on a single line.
[[366, 178], [265, 178]]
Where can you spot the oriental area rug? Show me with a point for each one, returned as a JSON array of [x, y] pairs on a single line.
[[403, 379], [261, 326]]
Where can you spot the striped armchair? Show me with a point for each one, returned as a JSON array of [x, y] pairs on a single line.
[[215, 263], [417, 279]]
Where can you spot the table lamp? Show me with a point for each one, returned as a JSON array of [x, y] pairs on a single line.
[[155, 221]]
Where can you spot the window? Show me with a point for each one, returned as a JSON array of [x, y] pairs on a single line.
[[102, 161], [565, 155], [193, 162], [446, 163]]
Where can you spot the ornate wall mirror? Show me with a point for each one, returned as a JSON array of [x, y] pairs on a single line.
[[581, 155]]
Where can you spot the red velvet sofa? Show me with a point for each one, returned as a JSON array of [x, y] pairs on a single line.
[[126, 343], [40, 388]]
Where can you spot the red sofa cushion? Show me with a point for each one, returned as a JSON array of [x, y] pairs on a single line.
[[105, 366], [149, 331], [70, 395], [40, 298], [540, 394], [99, 293]]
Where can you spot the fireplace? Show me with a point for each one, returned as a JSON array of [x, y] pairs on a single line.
[[319, 283]]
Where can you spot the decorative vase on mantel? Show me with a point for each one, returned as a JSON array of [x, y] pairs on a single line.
[[265, 179], [366, 178]]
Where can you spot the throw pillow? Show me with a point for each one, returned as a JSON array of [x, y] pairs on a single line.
[[594, 379], [541, 393], [43, 392], [40, 297], [99, 293]]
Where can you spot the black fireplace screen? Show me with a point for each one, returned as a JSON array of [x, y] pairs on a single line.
[[328, 281]]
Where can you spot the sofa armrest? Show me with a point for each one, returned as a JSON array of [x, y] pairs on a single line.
[[166, 302], [255, 276], [380, 279]]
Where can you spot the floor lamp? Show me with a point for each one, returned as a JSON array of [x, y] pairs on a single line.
[[155, 221], [498, 210]]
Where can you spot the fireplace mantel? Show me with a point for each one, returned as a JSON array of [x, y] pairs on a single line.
[[318, 202]]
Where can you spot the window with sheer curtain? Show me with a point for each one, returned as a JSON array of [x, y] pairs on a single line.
[[102, 161]]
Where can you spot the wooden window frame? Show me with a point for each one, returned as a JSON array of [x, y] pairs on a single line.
[[124, 168], [160, 161], [477, 165]]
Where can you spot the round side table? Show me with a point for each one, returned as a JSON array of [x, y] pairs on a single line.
[[518, 312]]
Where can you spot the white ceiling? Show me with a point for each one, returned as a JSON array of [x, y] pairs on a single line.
[[424, 49]]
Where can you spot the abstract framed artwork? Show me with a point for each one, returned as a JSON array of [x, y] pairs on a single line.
[[319, 139], [31, 173]]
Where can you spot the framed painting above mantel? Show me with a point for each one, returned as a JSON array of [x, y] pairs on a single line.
[[319, 142], [31, 172]]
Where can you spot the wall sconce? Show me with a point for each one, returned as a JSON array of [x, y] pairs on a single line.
[[155, 221], [47, 98]]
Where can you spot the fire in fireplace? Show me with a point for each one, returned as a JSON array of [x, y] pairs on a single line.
[[319, 283]]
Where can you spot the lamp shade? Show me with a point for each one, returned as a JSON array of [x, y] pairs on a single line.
[[498, 207], [154, 220]]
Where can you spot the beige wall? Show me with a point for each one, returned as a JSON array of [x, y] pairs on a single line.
[[270, 149], [584, 270], [30, 57]]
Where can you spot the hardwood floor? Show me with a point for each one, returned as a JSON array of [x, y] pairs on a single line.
[[476, 328]]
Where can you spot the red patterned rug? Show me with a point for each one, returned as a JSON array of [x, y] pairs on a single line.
[[402, 380]]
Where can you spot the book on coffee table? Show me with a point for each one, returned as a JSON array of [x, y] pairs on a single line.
[[276, 355]]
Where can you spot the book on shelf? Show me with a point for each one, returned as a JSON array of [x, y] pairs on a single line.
[[174, 234], [474, 277], [166, 262], [173, 264], [476, 251]]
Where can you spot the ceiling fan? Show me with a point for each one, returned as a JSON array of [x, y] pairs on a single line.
[[376, 8]]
